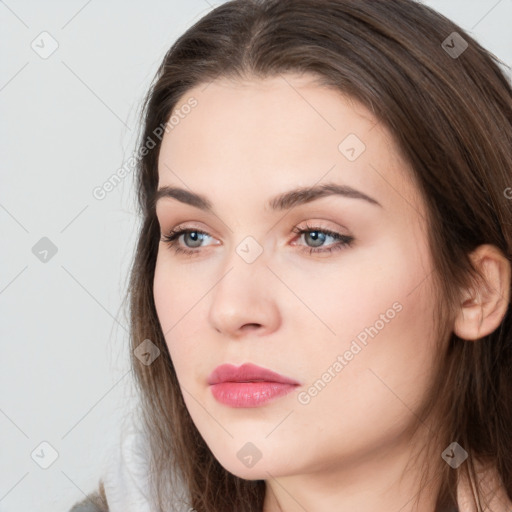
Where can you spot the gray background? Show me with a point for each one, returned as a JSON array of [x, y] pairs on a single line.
[[68, 122]]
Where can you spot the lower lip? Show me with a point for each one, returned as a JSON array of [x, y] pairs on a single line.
[[249, 394]]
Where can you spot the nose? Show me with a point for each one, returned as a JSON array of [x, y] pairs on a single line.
[[243, 300]]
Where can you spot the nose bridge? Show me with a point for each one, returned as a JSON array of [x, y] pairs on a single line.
[[242, 295], [244, 271]]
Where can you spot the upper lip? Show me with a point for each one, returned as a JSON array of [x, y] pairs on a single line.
[[246, 373]]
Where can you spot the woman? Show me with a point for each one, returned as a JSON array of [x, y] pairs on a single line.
[[320, 294]]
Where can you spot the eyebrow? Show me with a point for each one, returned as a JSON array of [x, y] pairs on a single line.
[[284, 201]]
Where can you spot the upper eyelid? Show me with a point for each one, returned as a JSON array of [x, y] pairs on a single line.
[[310, 226], [309, 223], [179, 230]]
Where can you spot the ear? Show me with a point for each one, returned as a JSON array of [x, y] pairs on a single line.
[[484, 304]]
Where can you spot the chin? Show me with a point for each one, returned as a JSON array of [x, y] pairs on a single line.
[[259, 468]]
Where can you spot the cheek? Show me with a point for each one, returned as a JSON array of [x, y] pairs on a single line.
[[177, 291], [173, 298], [362, 288], [380, 304], [181, 303], [164, 296], [387, 348], [383, 314]]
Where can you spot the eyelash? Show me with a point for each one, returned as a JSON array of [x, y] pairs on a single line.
[[343, 240]]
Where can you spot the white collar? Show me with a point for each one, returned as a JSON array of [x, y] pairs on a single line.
[[125, 476]]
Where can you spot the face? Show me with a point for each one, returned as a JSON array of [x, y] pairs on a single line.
[[330, 290]]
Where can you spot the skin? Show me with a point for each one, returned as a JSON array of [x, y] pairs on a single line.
[[295, 312]]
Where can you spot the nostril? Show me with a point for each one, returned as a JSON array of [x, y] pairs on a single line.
[[251, 326]]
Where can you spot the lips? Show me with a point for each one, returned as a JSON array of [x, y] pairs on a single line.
[[247, 373], [248, 385]]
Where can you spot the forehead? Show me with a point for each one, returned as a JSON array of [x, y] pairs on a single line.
[[267, 134]]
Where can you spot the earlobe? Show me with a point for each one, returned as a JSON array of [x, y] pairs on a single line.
[[485, 304]]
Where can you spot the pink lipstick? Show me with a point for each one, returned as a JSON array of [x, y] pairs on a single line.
[[248, 385]]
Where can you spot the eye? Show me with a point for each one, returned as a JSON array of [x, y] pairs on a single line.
[[317, 236], [172, 239]]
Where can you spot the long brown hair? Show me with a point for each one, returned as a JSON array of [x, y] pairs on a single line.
[[451, 117]]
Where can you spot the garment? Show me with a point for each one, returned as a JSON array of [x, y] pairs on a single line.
[[126, 486], [124, 476], [124, 483]]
